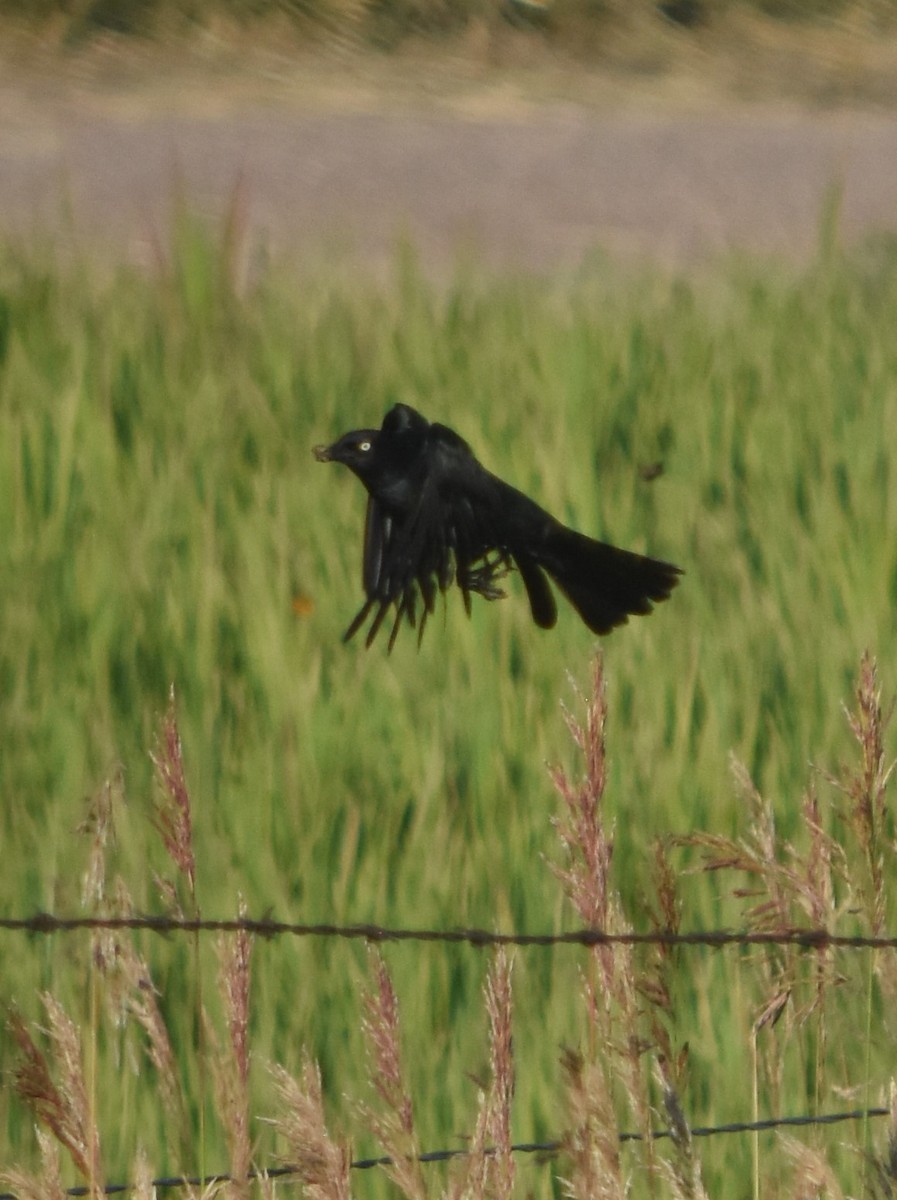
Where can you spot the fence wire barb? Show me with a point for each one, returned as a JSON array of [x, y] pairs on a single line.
[[813, 939], [545, 1149]]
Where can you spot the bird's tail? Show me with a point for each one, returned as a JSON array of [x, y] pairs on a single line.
[[604, 584]]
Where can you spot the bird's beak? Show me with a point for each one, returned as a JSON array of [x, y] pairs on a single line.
[[322, 453]]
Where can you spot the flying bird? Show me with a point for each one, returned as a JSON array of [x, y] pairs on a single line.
[[436, 516]]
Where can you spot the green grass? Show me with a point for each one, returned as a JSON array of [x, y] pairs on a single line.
[[160, 508]]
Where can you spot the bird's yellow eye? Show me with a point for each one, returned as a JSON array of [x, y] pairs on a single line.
[[364, 447]]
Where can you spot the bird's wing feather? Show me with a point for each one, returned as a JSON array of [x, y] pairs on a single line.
[[377, 531]]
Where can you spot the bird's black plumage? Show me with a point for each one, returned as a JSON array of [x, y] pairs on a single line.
[[436, 516]]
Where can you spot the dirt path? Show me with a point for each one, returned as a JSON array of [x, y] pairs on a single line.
[[531, 187]]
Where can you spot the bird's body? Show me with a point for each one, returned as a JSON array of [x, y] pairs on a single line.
[[436, 516]]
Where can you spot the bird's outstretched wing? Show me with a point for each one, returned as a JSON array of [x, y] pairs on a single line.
[[446, 537]]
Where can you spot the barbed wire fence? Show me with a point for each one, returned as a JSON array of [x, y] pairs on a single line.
[[264, 927], [43, 924], [546, 1150]]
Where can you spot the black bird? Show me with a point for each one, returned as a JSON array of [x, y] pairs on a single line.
[[435, 515]]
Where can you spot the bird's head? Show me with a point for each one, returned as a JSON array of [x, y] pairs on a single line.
[[356, 450], [372, 454]]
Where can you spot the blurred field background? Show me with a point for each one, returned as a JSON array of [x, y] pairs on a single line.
[[162, 522], [824, 51]]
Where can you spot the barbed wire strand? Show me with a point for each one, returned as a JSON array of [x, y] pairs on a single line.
[[46, 923], [545, 1149]]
